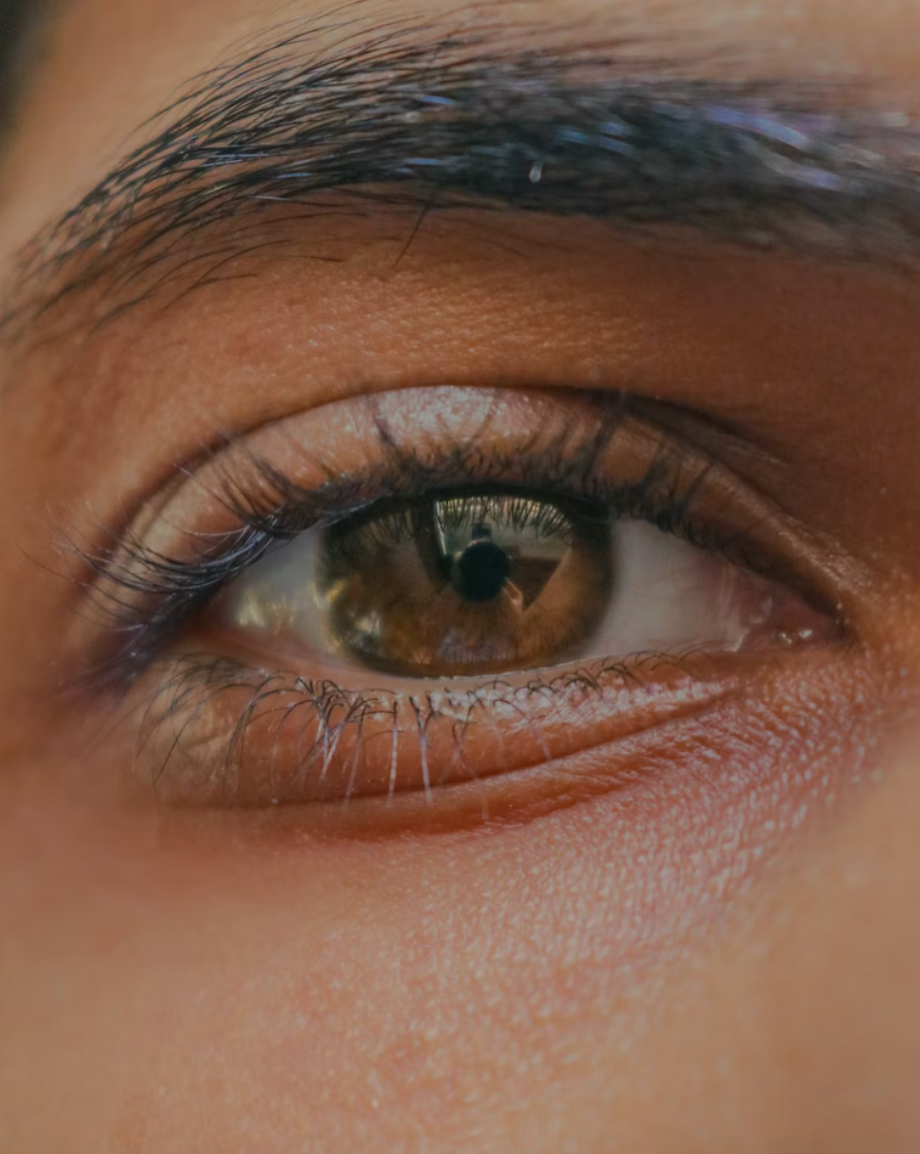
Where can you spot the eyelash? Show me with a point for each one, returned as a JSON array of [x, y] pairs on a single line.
[[148, 597], [208, 725]]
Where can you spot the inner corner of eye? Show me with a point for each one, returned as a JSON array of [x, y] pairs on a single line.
[[476, 584]]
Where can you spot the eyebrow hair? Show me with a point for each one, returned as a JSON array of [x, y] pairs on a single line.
[[403, 115]]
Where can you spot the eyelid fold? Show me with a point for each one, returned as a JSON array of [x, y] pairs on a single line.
[[315, 468]]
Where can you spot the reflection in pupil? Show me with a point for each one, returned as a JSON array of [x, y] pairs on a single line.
[[481, 570], [457, 586]]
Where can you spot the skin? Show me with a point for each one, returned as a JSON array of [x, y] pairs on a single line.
[[692, 969]]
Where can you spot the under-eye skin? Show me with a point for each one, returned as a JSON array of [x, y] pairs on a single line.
[[428, 591]]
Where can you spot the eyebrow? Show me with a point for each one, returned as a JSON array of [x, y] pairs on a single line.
[[421, 117]]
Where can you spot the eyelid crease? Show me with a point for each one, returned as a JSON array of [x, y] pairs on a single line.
[[147, 588]]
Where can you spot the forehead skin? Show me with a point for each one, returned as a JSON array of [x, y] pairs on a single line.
[[229, 1008]]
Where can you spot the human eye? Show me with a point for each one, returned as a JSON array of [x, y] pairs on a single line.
[[421, 595], [314, 419]]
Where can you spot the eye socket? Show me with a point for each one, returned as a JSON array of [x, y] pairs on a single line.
[[438, 588]]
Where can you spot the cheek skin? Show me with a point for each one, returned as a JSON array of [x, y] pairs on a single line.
[[807, 1012], [365, 994]]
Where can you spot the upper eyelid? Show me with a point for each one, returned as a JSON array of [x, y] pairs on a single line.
[[251, 493], [171, 587]]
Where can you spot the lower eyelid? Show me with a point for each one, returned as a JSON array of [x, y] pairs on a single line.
[[653, 730], [219, 732]]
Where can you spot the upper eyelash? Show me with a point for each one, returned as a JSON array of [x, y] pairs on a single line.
[[147, 597], [456, 509]]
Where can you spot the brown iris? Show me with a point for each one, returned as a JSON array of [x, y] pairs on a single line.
[[464, 585]]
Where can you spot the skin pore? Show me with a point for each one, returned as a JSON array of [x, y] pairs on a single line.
[[703, 941]]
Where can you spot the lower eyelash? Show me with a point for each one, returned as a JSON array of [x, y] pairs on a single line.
[[314, 737]]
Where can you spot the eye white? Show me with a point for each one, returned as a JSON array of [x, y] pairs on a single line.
[[667, 596], [670, 595]]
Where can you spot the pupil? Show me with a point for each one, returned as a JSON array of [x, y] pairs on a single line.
[[481, 570]]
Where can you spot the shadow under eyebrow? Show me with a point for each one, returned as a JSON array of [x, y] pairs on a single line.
[[414, 116]]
